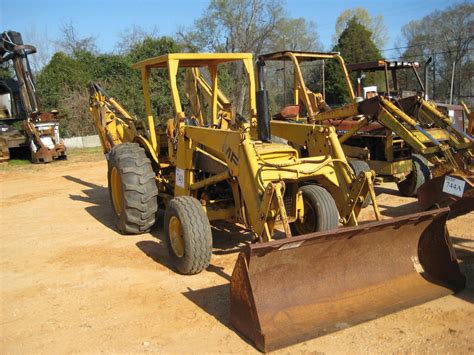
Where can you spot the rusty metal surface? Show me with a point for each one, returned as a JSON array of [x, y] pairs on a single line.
[[4, 152], [288, 291], [345, 125], [46, 155], [430, 195], [380, 65]]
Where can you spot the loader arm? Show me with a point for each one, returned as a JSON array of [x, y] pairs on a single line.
[[378, 109], [18, 53], [351, 190], [422, 110], [426, 112], [419, 143]]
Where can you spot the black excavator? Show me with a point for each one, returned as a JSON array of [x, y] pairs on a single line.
[[23, 126]]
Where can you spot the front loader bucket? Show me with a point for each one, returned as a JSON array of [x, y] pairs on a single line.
[[284, 292], [453, 190]]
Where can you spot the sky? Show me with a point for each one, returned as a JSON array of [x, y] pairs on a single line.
[[106, 19]]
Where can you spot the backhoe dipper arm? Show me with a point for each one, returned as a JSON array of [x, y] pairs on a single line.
[[105, 109]]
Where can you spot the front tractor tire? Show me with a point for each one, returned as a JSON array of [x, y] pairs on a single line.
[[419, 174], [132, 188], [320, 211], [188, 235]]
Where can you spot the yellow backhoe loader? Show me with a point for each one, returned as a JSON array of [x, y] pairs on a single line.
[[425, 155], [206, 165], [440, 191]]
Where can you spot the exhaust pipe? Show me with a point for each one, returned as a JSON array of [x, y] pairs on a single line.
[[427, 64], [263, 107]]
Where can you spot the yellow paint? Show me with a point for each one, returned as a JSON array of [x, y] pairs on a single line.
[[116, 189], [176, 236], [150, 120]]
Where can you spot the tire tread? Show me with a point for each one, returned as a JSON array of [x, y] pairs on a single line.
[[327, 213], [138, 188], [198, 234], [419, 175]]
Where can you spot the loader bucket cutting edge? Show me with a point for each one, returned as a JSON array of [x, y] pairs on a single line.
[[285, 292], [431, 195]]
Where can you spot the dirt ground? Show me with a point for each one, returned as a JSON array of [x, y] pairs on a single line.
[[70, 283]]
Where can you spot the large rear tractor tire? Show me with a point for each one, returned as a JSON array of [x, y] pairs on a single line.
[[359, 166], [132, 188], [320, 211], [188, 235], [419, 175]]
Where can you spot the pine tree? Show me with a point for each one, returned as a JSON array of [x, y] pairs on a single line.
[[355, 45]]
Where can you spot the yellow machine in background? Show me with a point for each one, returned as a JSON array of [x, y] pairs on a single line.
[[209, 163], [398, 147]]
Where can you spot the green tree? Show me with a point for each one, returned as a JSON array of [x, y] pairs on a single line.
[[6, 71], [63, 82], [62, 85], [374, 24], [159, 85], [355, 45], [60, 73]]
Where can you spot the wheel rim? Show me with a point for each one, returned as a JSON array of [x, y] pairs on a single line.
[[176, 236], [309, 223], [117, 195]]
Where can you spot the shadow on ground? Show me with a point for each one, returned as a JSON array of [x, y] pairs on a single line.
[[401, 210], [385, 190], [156, 251], [227, 238], [215, 301], [98, 196], [395, 211], [465, 254]]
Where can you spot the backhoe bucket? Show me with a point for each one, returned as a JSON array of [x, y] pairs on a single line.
[[287, 291], [453, 190]]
